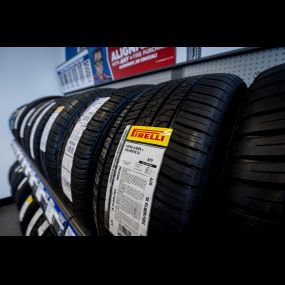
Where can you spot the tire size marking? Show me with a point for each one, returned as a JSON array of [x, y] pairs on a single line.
[[131, 185], [73, 140]]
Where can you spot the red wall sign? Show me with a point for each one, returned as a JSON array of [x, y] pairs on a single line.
[[128, 61]]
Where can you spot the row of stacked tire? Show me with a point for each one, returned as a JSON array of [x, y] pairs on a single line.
[[222, 173], [32, 219]]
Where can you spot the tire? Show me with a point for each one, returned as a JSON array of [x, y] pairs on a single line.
[[14, 119], [24, 111], [87, 151], [200, 111], [44, 229], [23, 190], [29, 212], [255, 180], [31, 121], [31, 110], [37, 129], [16, 177], [35, 221], [12, 170], [73, 108]]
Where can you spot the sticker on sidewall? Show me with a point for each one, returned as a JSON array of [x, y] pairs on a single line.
[[35, 125], [133, 178], [48, 127], [73, 140], [150, 135]]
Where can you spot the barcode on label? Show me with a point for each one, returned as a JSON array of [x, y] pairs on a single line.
[[124, 230], [70, 149]]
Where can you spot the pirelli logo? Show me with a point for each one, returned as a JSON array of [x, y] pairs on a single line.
[[150, 135]]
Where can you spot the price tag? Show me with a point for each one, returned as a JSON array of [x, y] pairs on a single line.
[[50, 211], [39, 192], [70, 232], [33, 181]]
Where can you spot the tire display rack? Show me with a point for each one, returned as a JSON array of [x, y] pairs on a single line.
[[59, 213], [228, 138]]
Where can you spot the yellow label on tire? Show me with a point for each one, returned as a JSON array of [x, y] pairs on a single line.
[[30, 199], [150, 135], [59, 109]]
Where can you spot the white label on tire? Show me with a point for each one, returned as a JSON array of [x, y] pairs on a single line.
[[22, 183], [112, 174], [35, 128], [48, 127], [73, 140], [133, 179], [25, 120], [24, 207], [33, 221], [37, 112], [18, 117], [43, 227]]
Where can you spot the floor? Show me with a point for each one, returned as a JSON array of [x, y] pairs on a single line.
[[9, 222]]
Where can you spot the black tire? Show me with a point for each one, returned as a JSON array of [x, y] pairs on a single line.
[[32, 119], [37, 130], [66, 119], [88, 150], [35, 221], [12, 169], [17, 183], [31, 110], [14, 120], [23, 190], [199, 110], [255, 180], [25, 111], [29, 213], [16, 177]]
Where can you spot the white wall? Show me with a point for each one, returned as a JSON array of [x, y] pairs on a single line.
[[181, 54], [25, 74], [207, 51]]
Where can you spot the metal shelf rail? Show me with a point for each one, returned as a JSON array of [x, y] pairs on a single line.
[[59, 214]]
